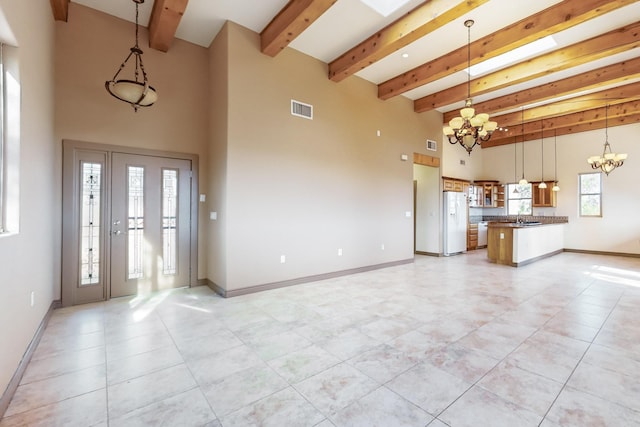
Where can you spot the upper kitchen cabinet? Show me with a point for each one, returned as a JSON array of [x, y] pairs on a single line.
[[543, 197]]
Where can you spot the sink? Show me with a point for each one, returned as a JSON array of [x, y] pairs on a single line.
[[527, 223]]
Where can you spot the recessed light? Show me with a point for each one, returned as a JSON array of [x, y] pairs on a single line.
[[405, 55], [512, 56], [385, 7]]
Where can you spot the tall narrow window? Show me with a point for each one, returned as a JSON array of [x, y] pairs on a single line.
[[169, 220], [135, 226], [90, 223], [591, 194]]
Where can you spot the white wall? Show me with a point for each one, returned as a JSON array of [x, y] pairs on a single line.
[[618, 230], [428, 208], [29, 261]]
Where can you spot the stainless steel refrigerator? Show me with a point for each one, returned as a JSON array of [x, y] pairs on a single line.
[[455, 223]]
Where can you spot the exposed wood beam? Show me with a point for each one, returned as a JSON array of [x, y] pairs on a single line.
[[611, 96], [609, 75], [290, 22], [607, 44], [582, 127], [587, 119], [559, 17], [60, 9], [165, 18], [416, 24]]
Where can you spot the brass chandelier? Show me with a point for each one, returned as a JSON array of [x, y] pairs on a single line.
[[470, 129], [136, 92], [609, 160]]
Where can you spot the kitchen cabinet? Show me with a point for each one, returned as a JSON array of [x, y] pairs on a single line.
[[452, 184], [472, 237], [487, 194], [543, 197]]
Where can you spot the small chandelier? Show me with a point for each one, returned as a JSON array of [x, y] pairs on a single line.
[[136, 92], [609, 160], [470, 129]]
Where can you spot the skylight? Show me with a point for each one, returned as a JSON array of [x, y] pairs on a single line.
[[513, 56], [385, 7]]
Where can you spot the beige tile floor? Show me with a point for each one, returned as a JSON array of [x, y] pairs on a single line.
[[445, 341]]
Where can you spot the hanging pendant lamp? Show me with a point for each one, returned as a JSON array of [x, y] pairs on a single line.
[[542, 183], [470, 129], [136, 92], [523, 181], [555, 187]]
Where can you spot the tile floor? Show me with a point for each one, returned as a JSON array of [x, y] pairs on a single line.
[[442, 342]]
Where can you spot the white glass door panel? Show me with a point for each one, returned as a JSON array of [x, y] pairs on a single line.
[[150, 224]]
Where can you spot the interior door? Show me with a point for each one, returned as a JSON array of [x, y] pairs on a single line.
[[150, 223]]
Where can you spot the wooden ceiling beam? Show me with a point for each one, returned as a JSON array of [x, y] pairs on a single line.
[[164, 21], [611, 96], [290, 22], [60, 9], [582, 127], [593, 119], [417, 23], [554, 19], [609, 75], [604, 45]]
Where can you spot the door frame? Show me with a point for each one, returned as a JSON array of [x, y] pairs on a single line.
[[69, 257]]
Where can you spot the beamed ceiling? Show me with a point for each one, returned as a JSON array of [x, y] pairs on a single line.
[[561, 90]]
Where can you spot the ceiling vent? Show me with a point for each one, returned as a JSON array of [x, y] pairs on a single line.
[[301, 109], [432, 145]]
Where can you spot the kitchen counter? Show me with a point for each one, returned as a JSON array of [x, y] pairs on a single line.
[[517, 244]]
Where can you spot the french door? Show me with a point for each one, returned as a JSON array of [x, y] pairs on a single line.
[[128, 224]]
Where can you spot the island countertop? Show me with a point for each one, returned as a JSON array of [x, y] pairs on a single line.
[[517, 244]]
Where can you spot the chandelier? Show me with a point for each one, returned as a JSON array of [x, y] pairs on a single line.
[[609, 160], [136, 92], [470, 129]]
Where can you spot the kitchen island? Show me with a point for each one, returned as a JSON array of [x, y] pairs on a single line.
[[520, 243]]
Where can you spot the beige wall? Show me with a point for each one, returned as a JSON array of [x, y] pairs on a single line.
[[305, 188], [29, 261], [218, 131], [89, 49]]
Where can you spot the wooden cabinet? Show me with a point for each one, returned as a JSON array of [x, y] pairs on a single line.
[[472, 237], [543, 197], [451, 184], [487, 194]]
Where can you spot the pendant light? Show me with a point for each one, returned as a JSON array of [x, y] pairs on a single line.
[[542, 183], [136, 92], [609, 160], [523, 181], [470, 129], [515, 165], [555, 187]]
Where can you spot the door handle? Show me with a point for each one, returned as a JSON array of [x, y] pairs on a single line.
[[116, 222], [116, 232]]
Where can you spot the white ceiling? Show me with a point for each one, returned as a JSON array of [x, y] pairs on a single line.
[[337, 30]]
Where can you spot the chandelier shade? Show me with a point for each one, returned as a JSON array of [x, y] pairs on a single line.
[[470, 129], [609, 160], [136, 92]]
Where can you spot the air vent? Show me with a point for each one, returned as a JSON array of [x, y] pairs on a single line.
[[432, 145], [301, 109]]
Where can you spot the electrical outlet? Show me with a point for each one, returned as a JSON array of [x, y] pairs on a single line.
[[382, 247], [282, 259], [339, 251]]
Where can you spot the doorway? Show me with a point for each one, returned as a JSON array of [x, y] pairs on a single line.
[[129, 222]]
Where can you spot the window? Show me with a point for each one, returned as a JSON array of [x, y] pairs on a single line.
[[519, 197], [591, 194], [9, 140]]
